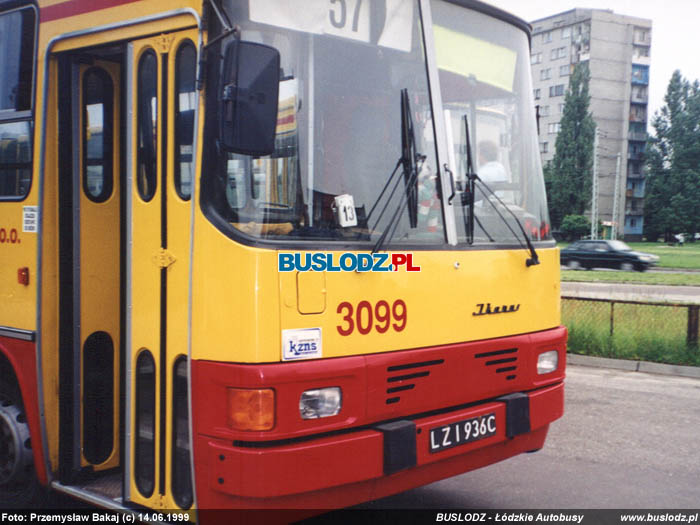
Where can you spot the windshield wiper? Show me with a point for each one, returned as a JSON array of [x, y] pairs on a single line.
[[412, 162], [472, 178], [469, 192]]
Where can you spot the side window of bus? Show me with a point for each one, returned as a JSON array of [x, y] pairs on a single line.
[[98, 134], [185, 67], [147, 122], [17, 36]]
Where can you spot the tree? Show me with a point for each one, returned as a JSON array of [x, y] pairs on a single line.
[[672, 200], [575, 226], [568, 176]]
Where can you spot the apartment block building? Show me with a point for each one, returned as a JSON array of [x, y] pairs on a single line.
[[617, 50]]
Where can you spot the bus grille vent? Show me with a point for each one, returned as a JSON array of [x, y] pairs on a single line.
[[503, 362], [403, 381]]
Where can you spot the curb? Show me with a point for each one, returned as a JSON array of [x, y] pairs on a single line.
[[633, 366]]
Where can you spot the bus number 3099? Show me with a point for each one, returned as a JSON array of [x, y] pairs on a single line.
[[364, 316]]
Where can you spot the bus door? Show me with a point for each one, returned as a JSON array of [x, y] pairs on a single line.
[[92, 276], [161, 98]]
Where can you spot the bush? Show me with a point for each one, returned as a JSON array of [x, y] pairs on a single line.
[[573, 227]]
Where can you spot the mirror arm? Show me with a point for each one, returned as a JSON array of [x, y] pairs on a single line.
[[235, 31], [221, 15]]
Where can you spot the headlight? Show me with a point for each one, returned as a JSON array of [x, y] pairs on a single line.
[[547, 362], [320, 402]]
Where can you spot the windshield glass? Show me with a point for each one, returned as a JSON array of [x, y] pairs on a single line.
[[484, 70], [344, 65]]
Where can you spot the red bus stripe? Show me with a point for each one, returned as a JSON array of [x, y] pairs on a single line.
[[77, 7]]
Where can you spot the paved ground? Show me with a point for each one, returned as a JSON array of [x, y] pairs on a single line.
[[627, 440], [633, 292]]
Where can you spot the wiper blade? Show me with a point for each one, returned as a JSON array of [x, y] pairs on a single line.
[[469, 220], [469, 192], [412, 162], [534, 259]]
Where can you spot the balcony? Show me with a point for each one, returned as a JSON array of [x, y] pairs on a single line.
[[641, 60], [637, 135], [642, 38], [638, 116], [638, 96]]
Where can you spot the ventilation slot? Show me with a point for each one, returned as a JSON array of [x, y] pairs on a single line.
[[501, 362], [392, 379]]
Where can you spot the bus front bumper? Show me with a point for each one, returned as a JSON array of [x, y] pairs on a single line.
[[345, 468]]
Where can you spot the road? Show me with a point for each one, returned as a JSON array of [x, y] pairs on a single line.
[[627, 440], [633, 292]]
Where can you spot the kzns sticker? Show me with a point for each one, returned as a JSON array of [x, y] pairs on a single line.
[[302, 343]]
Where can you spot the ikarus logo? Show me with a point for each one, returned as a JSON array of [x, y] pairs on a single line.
[[346, 262]]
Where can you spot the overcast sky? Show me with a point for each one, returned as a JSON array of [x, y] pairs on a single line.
[[675, 33]]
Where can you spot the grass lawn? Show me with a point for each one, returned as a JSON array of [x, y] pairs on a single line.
[[686, 256]]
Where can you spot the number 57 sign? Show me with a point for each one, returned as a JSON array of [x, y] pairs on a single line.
[[344, 18]]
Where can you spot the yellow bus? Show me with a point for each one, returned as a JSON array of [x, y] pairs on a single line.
[[269, 254]]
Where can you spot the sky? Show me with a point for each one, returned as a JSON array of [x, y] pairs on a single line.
[[675, 33]]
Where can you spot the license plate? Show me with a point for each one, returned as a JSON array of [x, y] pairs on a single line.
[[462, 432]]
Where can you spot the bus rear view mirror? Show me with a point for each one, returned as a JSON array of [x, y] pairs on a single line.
[[249, 98]]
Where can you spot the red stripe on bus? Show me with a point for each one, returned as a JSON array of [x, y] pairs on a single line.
[[77, 7]]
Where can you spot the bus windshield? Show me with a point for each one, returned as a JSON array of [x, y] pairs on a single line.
[[339, 129], [484, 70]]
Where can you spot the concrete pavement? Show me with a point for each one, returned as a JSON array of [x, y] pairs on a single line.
[[633, 292]]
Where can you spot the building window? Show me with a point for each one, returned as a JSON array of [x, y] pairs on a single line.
[[547, 37], [545, 74], [641, 35], [536, 93], [561, 109], [544, 147], [641, 51], [557, 52], [566, 32], [544, 111], [564, 70], [535, 58], [553, 127], [556, 91]]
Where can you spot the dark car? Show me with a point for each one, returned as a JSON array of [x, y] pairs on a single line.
[[605, 254]]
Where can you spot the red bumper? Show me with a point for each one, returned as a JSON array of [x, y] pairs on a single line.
[[334, 466], [346, 469]]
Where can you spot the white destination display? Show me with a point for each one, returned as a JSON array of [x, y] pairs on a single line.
[[343, 18]]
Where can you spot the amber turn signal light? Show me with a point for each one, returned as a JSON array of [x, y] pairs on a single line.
[[251, 409]]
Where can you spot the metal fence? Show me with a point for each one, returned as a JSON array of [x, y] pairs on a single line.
[[665, 332]]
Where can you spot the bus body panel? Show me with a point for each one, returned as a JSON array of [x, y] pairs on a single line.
[[242, 307]]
